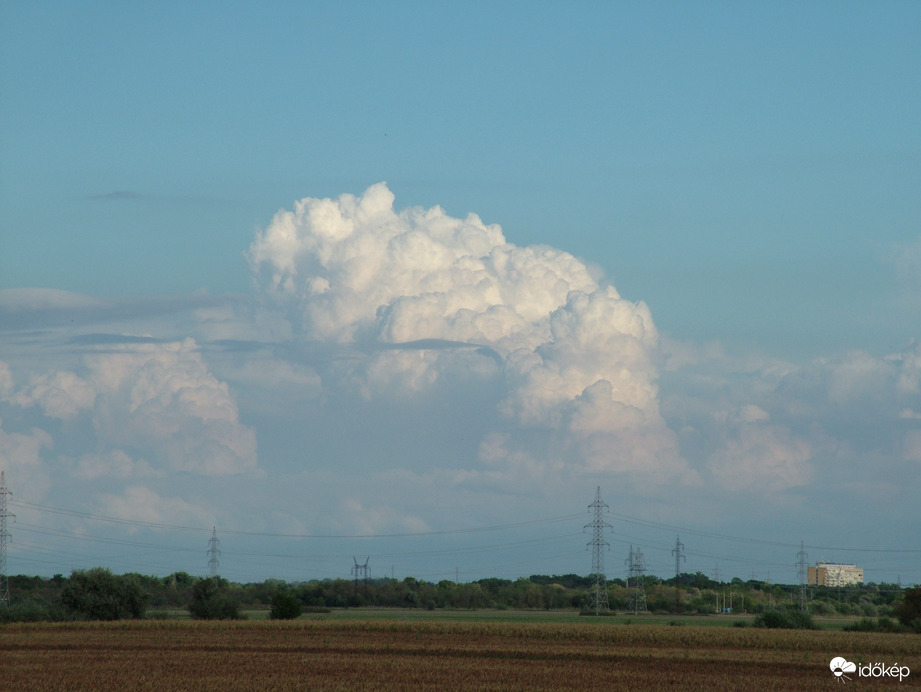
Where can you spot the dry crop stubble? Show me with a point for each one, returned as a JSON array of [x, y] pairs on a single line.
[[326, 654]]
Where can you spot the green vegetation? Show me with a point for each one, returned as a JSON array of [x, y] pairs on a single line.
[[211, 601], [98, 594], [879, 625], [285, 606], [788, 619], [909, 610]]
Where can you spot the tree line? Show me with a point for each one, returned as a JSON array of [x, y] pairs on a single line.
[[98, 594]]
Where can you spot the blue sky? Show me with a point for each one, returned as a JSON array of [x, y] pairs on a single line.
[[693, 278]]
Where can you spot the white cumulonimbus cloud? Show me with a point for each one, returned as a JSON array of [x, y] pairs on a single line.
[[573, 356]]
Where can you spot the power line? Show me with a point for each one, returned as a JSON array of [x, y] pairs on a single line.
[[780, 544], [497, 527], [883, 560], [264, 534]]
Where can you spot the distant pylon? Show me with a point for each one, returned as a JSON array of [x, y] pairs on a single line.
[[599, 593], [801, 569], [635, 569], [678, 552], [214, 549], [361, 571], [5, 538]]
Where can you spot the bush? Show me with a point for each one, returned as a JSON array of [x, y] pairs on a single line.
[[909, 610], [211, 602], [285, 606], [165, 615], [785, 619], [32, 611], [882, 624], [97, 594]]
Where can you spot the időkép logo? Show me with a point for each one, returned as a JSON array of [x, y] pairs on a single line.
[[840, 667]]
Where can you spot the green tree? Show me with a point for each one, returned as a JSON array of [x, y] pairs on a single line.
[[210, 601], [97, 594], [285, 606], [909, 610], [785, 619]]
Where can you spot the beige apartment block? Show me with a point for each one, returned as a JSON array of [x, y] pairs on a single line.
[[834, 574]]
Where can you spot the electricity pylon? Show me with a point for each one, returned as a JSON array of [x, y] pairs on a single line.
[[635, 569], [4, 539], [214, 549], [801, 568], [678, 552], [599, 594], [361, 571]]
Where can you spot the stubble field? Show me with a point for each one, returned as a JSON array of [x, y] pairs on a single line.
[[330, 654]]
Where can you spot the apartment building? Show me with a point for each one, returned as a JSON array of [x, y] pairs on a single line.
[[834, 574]]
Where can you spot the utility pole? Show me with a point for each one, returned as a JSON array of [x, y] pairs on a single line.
[[5, 538], [801, 567], [214, 549], [599, 600], [678, 552]]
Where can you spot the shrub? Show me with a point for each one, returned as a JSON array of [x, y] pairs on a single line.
[[164, 615], [32, 611], [909, 610], [211, 602], [97, 594], [882, 624], [285, 606], [785, 619]]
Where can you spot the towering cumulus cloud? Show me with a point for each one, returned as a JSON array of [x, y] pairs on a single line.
[[155, 400], [428, 295]]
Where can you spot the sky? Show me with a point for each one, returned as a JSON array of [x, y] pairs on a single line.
[[409, 282]]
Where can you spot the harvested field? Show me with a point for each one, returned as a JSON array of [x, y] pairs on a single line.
[[324, 654]]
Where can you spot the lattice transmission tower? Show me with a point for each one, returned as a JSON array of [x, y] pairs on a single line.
[[678, 553], [361, 572], [5, 538], [802, 571], [214, 549], [636, 567], [599, 594]]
